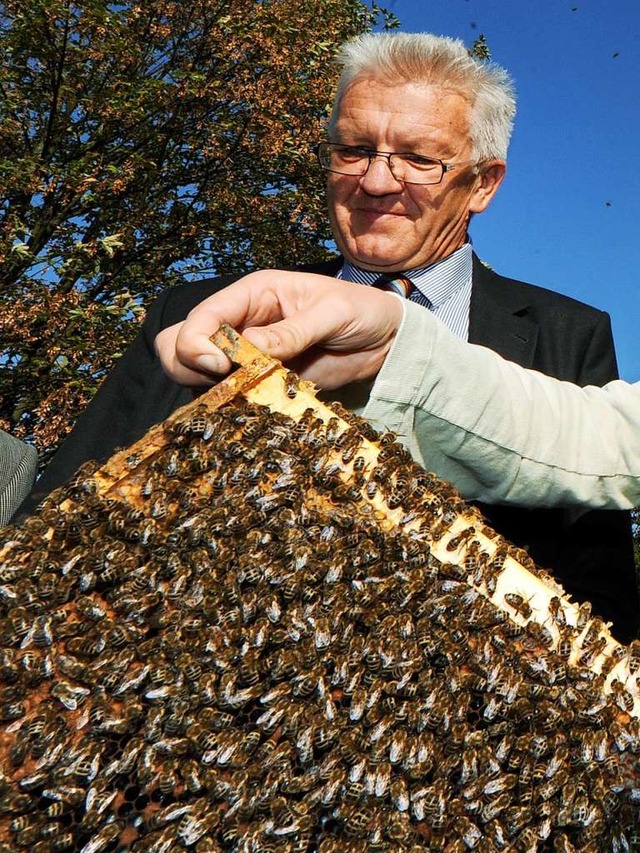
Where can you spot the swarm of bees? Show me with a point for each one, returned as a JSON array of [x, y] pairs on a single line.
[[240, 651]]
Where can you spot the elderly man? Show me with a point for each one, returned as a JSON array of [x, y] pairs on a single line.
[[416, 144]]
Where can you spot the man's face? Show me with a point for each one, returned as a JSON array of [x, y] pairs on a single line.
[[381, 224]]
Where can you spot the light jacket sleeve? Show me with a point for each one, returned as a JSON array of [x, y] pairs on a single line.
[[503, 434]]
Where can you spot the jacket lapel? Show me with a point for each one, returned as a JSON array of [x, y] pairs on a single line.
[[498, 319]]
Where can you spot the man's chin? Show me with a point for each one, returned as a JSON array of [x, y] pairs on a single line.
[[376, 255], [377, 262]]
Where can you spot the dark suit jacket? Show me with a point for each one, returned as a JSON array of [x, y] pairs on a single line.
[[593, 557]]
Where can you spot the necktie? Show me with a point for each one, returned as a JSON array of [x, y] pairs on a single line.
[[396, 283]]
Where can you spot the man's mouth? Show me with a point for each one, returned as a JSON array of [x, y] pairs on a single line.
[[378, 213]]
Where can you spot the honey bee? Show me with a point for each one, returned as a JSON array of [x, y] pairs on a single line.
[[564, 648], [593, 650], [199, 421], [595, 628], [132, 460], [346, 492], [621, 696], [292, 384], [634, 657], [518, 603], [498, 558], [557, 612], [104, 837], [614, 656], [460, 539], [348, 443], [171, 464], [540, 634], [584, 614], [224, 645]]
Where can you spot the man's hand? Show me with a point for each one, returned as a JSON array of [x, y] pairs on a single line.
[[330, 331]]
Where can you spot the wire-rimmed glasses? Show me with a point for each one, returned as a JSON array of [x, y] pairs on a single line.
[[408, 168]]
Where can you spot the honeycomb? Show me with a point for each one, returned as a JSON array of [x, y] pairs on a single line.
[[264, 628]]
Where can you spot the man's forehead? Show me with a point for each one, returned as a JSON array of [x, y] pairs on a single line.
[[411, 108], [415, 96], [390, 88]]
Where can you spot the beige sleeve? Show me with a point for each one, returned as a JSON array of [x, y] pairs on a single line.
[[501, 433]]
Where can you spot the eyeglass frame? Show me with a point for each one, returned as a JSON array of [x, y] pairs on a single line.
[[372, 154]]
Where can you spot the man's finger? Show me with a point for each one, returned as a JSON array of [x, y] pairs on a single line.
[[187, 371]]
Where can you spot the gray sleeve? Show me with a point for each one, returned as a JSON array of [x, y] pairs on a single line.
[[18, 462], [503, 434]]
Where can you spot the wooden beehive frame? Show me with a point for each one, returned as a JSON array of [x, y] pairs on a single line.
[[265, 381], [486, 655]]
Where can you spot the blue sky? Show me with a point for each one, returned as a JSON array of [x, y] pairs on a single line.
[[567, 216]]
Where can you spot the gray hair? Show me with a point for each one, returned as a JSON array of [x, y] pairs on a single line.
[[440, 61]]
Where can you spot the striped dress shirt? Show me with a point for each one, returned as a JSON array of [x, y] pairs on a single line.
[[443, 287]]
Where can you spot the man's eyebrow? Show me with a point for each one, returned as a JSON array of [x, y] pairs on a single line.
[[364, 142]]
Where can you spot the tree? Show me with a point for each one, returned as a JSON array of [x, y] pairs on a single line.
[[141, 142]]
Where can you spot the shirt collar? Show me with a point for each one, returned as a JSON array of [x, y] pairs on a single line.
[[438, 282]]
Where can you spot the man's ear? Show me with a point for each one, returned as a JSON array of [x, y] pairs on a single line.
[[491, 175]]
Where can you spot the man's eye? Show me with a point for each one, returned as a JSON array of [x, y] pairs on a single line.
[[420, 162], [351, 152]]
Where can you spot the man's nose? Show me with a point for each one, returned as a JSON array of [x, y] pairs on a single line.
[[379, 179]]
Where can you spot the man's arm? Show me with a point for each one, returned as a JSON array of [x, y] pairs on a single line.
[[503, 433], [333, 332], [500, 432]]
